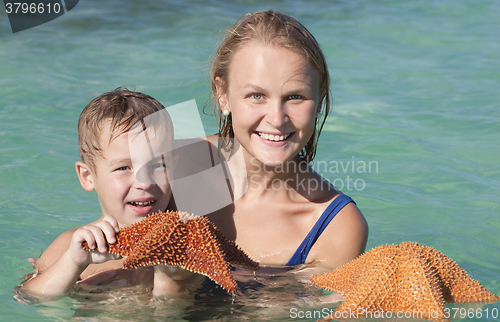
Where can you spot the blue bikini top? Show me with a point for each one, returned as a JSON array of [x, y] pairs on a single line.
[[333, 208]]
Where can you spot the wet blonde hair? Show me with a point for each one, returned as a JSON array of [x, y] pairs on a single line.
[[277, 29], [122, 108]]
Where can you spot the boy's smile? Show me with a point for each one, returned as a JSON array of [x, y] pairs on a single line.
[[131, 175], [142, 207]]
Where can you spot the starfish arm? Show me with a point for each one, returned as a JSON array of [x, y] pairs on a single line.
[[419, 287], [344, 278], [459, 286], [371, 292], [204, 254], [233, 254]]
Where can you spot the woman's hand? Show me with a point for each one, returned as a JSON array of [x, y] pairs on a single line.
[[105, 278]]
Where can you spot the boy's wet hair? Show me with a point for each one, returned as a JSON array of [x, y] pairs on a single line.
[[122, 108], [276, 29]]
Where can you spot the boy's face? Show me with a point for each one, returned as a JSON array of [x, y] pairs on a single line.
[[131, 177]]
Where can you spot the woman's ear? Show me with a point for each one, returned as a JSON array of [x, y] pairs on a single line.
[[85, 176], [320, 105], [171, 169], [175, 158], [221, 93]]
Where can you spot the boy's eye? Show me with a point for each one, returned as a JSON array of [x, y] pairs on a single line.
[[124, 168], [294, 97]]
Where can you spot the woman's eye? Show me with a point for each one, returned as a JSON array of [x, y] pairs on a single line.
[[256, 96], [158, 165]]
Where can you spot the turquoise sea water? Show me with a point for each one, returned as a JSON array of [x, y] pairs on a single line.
[[416, 110]]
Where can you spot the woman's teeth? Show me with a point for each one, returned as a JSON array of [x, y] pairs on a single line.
[[141, 204], [272, 137]]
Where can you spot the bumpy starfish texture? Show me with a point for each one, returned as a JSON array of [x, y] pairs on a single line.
[[403, 278], [179, 239]]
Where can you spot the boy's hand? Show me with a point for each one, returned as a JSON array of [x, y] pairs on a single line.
[[96, 235]]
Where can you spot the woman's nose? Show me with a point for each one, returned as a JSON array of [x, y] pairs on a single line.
[[276, 114]]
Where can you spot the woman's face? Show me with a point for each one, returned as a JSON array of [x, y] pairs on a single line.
[[273, 96]]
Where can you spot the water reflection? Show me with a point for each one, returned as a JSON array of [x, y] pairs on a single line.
[[269, 294]]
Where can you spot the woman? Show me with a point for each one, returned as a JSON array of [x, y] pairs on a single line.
[[270, 89]]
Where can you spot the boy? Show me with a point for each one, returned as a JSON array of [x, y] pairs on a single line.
[[125, 142]]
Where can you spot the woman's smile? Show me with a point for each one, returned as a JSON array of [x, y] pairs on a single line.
[[276, 137]]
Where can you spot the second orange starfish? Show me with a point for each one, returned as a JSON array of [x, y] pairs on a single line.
[[403, 278]]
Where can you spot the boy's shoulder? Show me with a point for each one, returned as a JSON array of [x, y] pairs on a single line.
[[55, 250]]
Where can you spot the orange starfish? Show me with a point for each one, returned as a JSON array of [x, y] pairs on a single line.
[[402, 278], [179, 239]]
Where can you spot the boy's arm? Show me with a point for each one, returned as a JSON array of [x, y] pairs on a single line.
[[55, 281], [65, 259], [54, 251]]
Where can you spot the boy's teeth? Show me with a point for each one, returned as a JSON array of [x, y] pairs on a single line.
[[272, 137]]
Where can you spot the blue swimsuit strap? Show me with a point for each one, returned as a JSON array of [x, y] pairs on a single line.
[[333, 208]]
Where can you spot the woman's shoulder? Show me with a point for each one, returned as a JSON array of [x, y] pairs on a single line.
[[346, 232], [344, 238]]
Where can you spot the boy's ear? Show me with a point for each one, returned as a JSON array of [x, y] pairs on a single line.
[[221, 94], [85, 176]]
